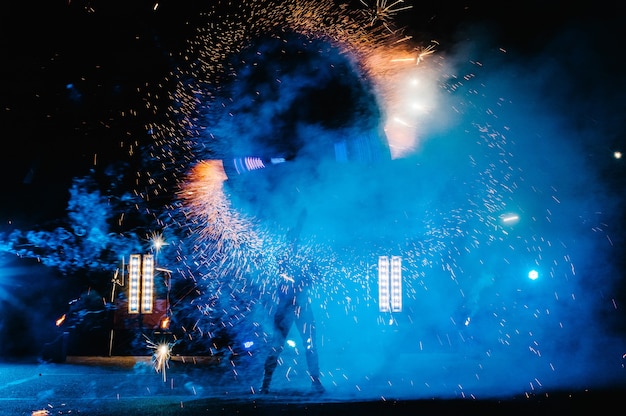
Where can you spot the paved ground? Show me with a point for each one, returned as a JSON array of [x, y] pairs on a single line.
[[130, 386]]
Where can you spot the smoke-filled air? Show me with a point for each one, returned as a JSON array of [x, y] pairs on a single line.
[[459, 239]]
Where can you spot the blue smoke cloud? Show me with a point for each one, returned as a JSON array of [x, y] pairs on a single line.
[[507, 179]]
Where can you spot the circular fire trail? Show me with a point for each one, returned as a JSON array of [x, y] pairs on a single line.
[[327, 106]]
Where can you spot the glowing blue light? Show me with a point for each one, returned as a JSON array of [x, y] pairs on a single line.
[[248, 344], [533, 274], [291, 343]]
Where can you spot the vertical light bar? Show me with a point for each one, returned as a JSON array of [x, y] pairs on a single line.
[[133, 283], [396, 284], [147, 283], [383, 283]]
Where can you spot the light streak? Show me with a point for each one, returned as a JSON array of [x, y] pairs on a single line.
[[422, 53], [384, 12], [287, 277], [510, 218]]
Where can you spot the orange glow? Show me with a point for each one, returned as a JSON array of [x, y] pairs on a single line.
[[205, 201], [60, 321], [165, 323]]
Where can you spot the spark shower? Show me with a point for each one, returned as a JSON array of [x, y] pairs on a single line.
[[395, 149]]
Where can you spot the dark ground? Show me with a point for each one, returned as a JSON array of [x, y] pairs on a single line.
[[129, 385]]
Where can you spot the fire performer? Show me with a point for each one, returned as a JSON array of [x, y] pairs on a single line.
[[294, 307]]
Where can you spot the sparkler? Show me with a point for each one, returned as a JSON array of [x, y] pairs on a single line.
[[157, 241], [161, 354]]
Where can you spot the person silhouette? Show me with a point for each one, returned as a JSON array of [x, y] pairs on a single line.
[[294, 307]]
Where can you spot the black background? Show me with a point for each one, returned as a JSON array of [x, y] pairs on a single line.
[[112, 53]]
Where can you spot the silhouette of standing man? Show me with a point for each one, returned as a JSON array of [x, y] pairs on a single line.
[[294, 306]]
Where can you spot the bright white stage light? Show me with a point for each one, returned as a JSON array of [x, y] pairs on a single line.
[[396, 284], [141, 284], [133, 283], [147, 284], [383, 284], [390, 284]]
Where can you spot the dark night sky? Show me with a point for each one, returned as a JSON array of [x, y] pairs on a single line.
[[75, 74]]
